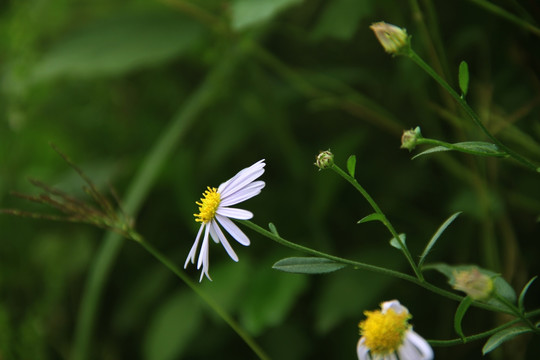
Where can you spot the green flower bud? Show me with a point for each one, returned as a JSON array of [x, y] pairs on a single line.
[[392, 38], [474, 283], [409, 138], [325, 160]]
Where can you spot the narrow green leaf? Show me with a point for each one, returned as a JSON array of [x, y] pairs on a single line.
[[522, 295], [307, 265], [351, 164], [273, 229], [246, 13], [480, 148], [395, 243], [436, 236], [464, 78], [460, 313], [371, 217], [504, 335]]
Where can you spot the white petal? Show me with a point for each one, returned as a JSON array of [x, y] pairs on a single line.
[[414, 342], [241, 179], [234, 213], [243, 194], [203, 254], [191, 255], [394, 305], [233, 230], [223, 239], [362, 350]]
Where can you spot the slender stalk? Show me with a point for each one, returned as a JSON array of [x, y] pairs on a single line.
[[207, 299], [385, 221], [470, 112], [363, 266], [136, 194]]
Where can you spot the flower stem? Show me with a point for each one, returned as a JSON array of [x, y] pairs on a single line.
[[470, 112], [384, 219], [205, 297]]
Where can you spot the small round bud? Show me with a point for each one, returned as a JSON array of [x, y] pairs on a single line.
[[474, 283], [325, 160], [409, 138], [392, 38]]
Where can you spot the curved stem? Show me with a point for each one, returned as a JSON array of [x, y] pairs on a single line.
[[384, 220]]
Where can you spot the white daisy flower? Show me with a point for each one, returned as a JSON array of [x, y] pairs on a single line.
[[387, 335], [215, 210]]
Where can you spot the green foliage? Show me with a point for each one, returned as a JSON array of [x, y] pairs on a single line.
[[435, 237], [504, 335], [463, 78], [307, 265], [479, 148]]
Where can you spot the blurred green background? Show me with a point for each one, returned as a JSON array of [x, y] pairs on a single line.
[[231, 82]]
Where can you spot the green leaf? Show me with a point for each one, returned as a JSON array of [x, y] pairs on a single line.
[[351, 164], [395, 243], [371, 217], [246, 13], [504, 335], [173, 326], [480, 148], [436, 236], [340, 19], [464, 78], [460, 313], [273, 229], [119, 44], [307, 265], [522, 295]]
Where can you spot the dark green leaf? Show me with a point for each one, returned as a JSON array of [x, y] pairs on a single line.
[[340, 18], [351, 165], [307, 265], [470, 147], [523, 292], [395, 243], [436, 236], [504, 335], [246, 13], [120, 44], [371, 217], [460, 313], [464, 78]]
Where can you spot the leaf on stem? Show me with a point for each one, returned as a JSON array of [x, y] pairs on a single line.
[[273, 229], [351, 164], [371, 217], [395, 243], [307, 265], [436, 236], [480, 148], [521, 298], [463, 78], [460, 313], [504, 335]]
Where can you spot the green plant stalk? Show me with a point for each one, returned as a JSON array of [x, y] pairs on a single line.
[[207, 299], [364, 266], [474, 117], [424, 140], [136, 194], [384, 220], [497, 10], [517, 313]]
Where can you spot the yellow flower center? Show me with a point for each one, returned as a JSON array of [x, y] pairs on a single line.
[[383, 333], [208, 205]]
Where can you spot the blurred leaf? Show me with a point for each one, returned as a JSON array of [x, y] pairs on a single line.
[[172, 327], [395, 243], [351, 165], [273, 229], [119, 44], [246, 13], [460, 313], [464, 78], [371, 217], [521, 298], [307, 265], [272, 295], [504, 335], [340, 19], [435, 237], [470, 147]]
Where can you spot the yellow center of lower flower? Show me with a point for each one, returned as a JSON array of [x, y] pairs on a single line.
[[383, 333], [208, 205]]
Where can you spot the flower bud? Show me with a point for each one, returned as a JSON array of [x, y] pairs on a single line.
[[474, 283], [325, 160], [409, 138], [392, 38]]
